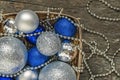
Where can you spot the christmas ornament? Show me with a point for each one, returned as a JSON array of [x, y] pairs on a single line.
[[66, 52], [33, 39], [13, 55], [5, 78], [48, 43], [35, 58], [28, 75], [66, 40], [9, 26], [26, 21], [67, 46], [65, 27], [57, 71], [64, 55]]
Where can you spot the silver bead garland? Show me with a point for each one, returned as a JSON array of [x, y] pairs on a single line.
[[30, 68], [94, 49], [100, 17]]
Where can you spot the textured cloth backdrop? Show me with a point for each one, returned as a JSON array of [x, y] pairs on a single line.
[[77, 8]]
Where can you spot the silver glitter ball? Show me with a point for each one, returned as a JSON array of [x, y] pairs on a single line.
[[48, 43], [26, 21], [9, 26], [57, 71], [67, 46], [28, 75], [13, 55], [64, 55], [66, 52]]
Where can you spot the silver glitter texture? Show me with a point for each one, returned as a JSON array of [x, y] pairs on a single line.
[[13, 55], [64, 55], [28, 75], [67, 46], [48, 43], [66, 52], [57, 71], [9, 26], [26, 21]]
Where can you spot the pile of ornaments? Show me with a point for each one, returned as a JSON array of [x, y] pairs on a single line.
[[15, 56]]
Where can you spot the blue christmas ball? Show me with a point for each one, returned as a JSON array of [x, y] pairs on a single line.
[[66, 41], [35, 58], [32, 39], [64, 27], [5, 78]]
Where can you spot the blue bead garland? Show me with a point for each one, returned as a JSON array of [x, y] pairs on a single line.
[[35, 58], [65, 27], [32, 39]]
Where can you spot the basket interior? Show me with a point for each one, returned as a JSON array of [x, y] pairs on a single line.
[[42, 16]]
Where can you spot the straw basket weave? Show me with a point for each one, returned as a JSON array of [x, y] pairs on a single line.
[[77, 57]]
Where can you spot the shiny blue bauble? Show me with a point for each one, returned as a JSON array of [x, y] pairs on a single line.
[[64, 27], [5, 78], [32, 39], [35, 58]]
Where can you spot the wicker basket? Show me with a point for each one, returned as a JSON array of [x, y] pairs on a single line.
[[77, 59]]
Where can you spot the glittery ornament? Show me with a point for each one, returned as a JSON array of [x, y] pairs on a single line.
[[35, 58], [33, 39], [26, 21], [64, 27], [13, 55], [64, 55], [57, 71], [66, 52], [9, 26], [28, 75], [67, 46], [5, 78], [48, 43]]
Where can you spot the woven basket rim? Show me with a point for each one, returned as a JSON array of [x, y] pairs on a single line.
[[6, 14]]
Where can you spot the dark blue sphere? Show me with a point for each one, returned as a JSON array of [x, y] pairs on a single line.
[[5, 78], [66, 41], [64, 27], [32, 39], [35, 58]]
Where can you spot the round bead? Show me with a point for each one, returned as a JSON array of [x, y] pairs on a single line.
[[35, 58], [26, 21], [57, 71], [33, 39], [5, 78], [28, 75], [13, 55], [64, 27], [48, 43]]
